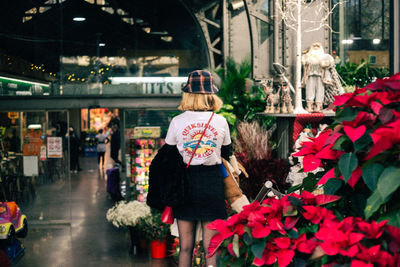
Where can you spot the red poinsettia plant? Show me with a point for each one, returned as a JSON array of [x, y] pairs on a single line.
[[360, 152], [296, 230]]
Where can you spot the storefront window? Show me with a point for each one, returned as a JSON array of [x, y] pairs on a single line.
[[33, 154], [361, 32], [264, 28], [50, 50]]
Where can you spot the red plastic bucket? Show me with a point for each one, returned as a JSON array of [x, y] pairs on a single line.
[[158, 249]]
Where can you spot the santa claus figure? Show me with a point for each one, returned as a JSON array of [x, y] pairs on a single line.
[[320, 78]]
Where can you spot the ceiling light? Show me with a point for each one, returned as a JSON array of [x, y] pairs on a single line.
[[166, 38], [147, 29], [235, 5], [34, 126], [79, 18], [159, 33], [347, 41], [127, 80], [376, 41]]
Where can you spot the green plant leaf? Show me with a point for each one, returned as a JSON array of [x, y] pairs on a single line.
[[370, 175], [293, 234], [235, 245], [363, 142], [258, 249], [393, 217], [294, 188], [388, 182], [248, 240], [238, 263], [309, 183], [332, 186], [347, 164], [346, 114], [295, 202], [339, 142], [373, 204]]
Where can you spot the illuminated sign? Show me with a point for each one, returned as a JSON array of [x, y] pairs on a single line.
[[12, 86], [153, 85]]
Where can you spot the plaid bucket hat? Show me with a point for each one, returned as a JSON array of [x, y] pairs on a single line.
[[200, 82]]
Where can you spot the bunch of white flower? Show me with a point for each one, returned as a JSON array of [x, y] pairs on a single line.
[[127, 214]]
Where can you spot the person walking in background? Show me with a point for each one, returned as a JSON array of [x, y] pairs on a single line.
[[115, 143], [74, 151], [204, 185], [102, 140]]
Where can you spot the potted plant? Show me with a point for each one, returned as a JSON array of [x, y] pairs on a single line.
[[155, 231], [359, 152], [297, 230], [128, 214]]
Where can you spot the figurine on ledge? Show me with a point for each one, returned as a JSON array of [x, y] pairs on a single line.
[[272, 99], [319, 78]]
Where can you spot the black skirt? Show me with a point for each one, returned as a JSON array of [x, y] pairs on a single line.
[[204, 195]]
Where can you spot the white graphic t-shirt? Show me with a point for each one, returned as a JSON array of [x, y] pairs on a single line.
[[186, 129]]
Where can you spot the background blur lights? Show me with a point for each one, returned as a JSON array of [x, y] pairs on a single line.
[[376, 41], [79, 19]]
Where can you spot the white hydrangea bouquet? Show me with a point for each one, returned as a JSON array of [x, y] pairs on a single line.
[[127, 213]]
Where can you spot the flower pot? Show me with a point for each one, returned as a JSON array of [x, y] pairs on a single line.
[[158, 248], [138, 244]]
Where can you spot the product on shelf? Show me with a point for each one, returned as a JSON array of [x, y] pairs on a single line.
[[143, 147]]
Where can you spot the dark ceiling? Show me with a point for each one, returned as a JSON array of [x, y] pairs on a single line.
[[50, 34]]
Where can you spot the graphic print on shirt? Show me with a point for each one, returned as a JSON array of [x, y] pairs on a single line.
[[191, 135]]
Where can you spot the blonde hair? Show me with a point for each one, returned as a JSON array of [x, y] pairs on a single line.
[[200, 102]]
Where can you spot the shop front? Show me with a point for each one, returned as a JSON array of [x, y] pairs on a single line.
[[34, 157]]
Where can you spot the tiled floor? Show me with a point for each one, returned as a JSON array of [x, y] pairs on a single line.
[[68, 227]]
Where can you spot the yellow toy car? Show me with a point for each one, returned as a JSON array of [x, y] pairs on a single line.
[[12, 222]]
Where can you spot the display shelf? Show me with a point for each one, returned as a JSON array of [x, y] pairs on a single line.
[[142, 153]]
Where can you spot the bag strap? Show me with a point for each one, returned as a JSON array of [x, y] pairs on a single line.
[[201, 137]]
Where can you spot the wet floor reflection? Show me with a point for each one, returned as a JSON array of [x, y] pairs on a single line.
[[68, 226]]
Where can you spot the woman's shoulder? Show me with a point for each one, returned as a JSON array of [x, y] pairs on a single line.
[[220, 118]]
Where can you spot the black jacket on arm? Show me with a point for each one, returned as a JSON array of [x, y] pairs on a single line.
[[166, 178]]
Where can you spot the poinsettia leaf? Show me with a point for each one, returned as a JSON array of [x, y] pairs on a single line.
[[238, 263], [385, 115], [332, 186], [362, 143], [393, 218], [294, 188], [235, 244], [340, 143], [346, 114], [309, 183], [354, 133], [248, 240], [258, 249], [370, 175], [373, 204], [295, 201], [325, 199], [388, 182], [292, 233], [347, 164]]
